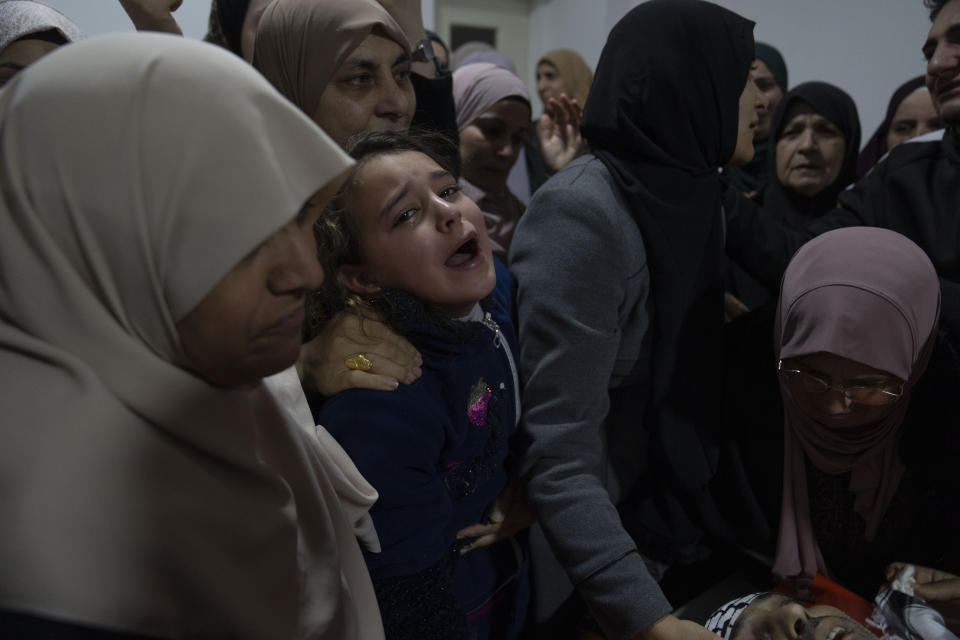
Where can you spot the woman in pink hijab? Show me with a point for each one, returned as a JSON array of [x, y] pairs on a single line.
[[493, 117], [856, 327]]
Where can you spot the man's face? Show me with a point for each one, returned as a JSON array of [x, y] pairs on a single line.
[[942, 51], [779, 617]]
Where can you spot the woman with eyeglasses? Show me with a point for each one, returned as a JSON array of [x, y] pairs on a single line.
[[868, 456]]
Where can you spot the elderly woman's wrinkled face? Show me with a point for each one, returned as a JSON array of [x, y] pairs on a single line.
[[490, 144], [549, 82], [915, 116], [779, 617], [370, 91], [810, 150], [249, 325], [20, 54]]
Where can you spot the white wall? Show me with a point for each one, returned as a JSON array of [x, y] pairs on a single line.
[[867, 47], [97, 17], [508, 17], [429, 11]]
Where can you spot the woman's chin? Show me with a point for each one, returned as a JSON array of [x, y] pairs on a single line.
[[807, 188]]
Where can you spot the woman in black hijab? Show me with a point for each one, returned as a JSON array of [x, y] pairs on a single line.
[[816, 133], [661, 136], [620, 308]]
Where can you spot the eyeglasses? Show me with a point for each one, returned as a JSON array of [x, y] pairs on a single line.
[[877, 395]]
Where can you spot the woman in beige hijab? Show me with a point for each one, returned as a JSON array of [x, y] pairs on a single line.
[[563, 71], [345, 64], [563, 84], [155, 247]]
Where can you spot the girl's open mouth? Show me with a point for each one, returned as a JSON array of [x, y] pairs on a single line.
[[464, 253]]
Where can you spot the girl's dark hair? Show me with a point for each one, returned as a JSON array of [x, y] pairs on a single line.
[[338, 232], [934, 6]]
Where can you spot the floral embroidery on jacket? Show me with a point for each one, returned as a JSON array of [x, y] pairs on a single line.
[[477, 407]]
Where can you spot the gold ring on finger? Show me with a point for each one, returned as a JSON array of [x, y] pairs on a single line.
[[358, 362]]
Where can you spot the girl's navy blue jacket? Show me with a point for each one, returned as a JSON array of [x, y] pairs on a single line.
[[435, 450]]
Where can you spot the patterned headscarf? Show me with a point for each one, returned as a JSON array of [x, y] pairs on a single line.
[[22, 18], [723, 619]]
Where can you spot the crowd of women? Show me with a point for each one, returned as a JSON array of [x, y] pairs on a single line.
[[316, 330]]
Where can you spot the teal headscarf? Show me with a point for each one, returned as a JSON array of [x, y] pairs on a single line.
[[774, 61]]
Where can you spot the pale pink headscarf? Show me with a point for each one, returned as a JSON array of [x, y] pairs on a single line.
[[479, 86], [300, 44], [872, 296], [476, 88]]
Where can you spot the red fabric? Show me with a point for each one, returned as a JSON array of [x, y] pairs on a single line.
[[826, 591]]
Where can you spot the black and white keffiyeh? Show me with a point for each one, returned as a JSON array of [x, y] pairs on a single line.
[[722, 620]]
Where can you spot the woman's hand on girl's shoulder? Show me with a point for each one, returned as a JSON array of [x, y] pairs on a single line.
[[328, 363]]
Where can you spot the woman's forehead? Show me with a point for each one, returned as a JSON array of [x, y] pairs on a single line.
[[383, 177], [377, 47]]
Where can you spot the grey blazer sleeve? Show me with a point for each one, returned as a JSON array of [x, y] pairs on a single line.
[[582, 287]]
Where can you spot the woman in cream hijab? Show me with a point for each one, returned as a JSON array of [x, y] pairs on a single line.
[[155, 247]]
